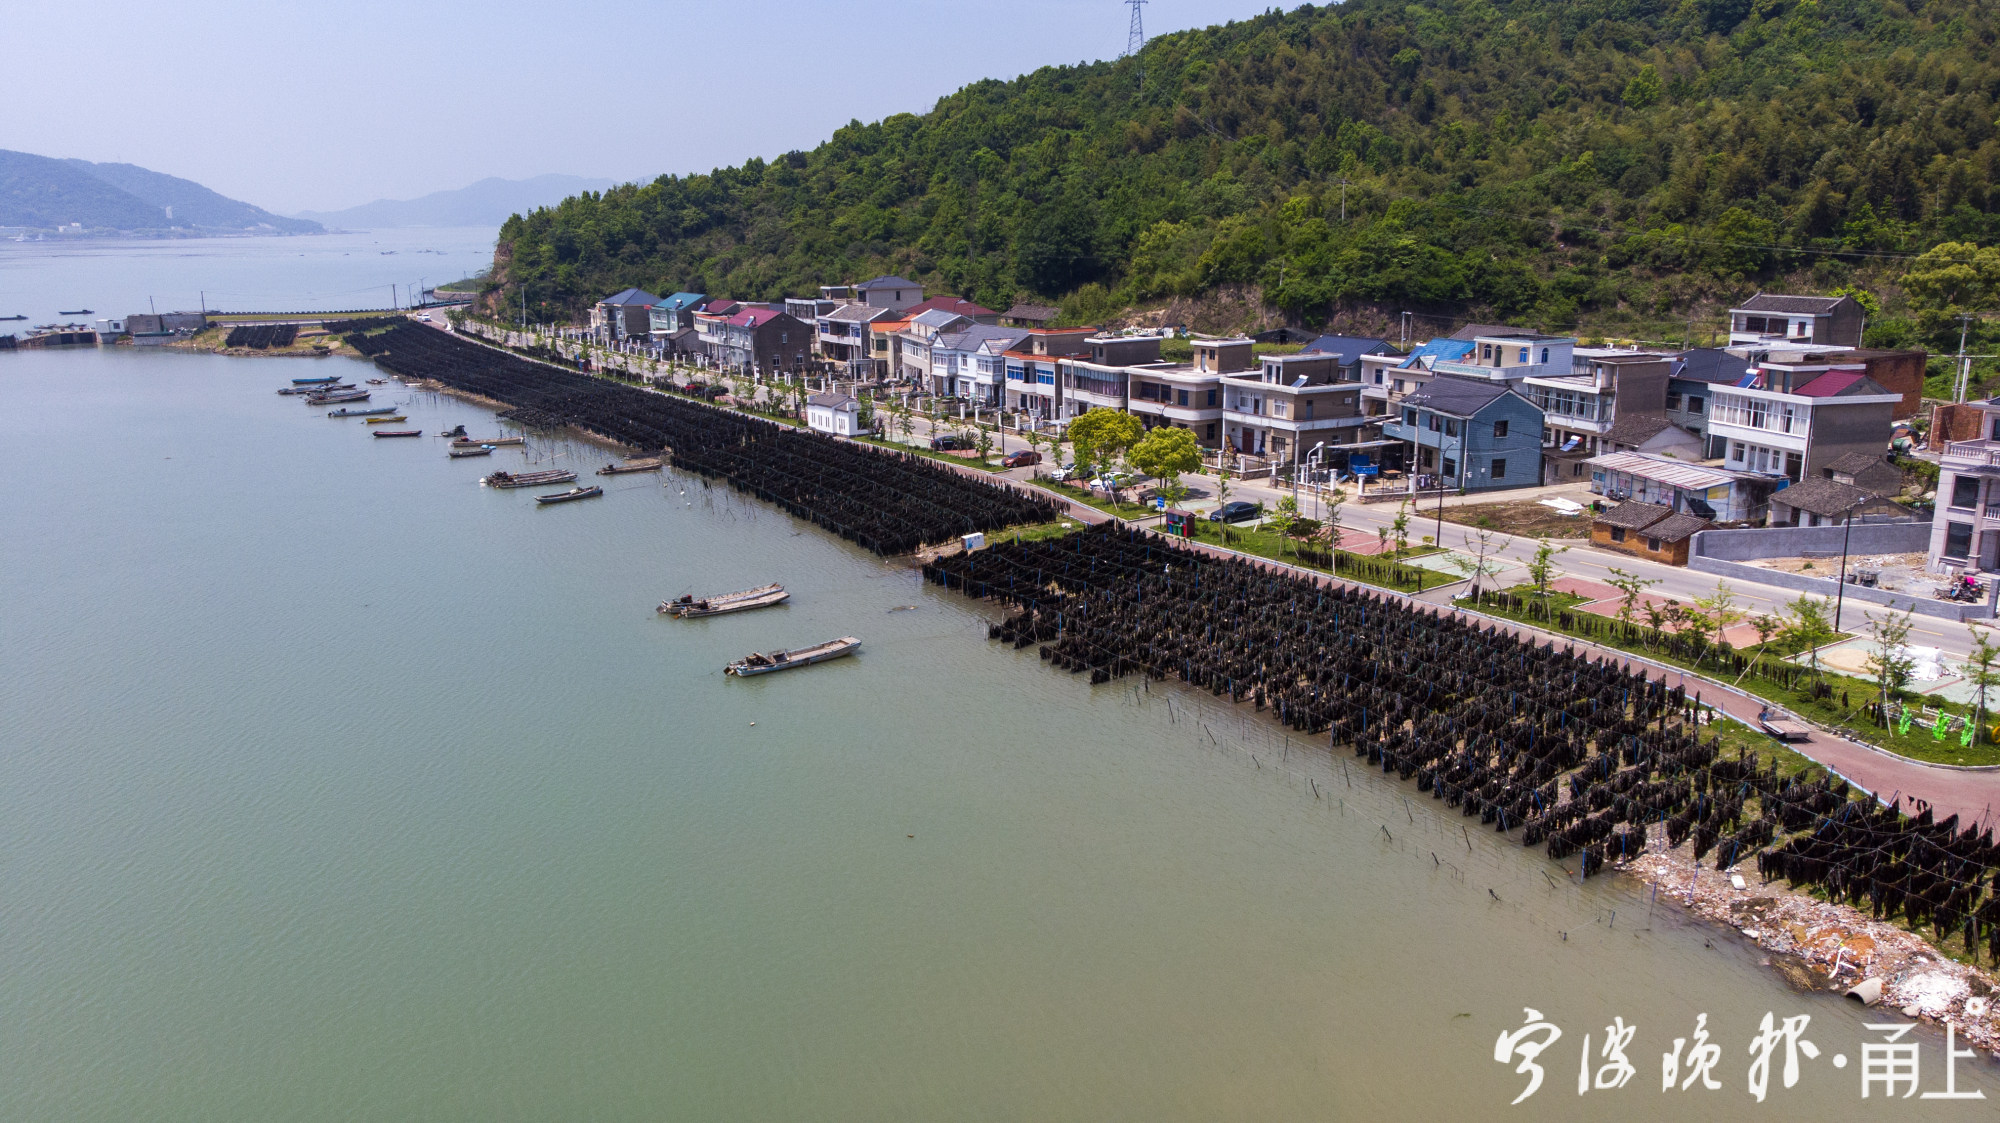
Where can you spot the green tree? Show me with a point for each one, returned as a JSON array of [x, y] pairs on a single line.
[[1167, 453], [1713, 615], [1631, 586], [1476, 567], [1099, 435], [1399, 529], [1890, 661], [1283, 518], [1222, 498], [1808, 626], [1334, 501], [1542, 570], [1983, 676], [1644, 89], [1952, 279]]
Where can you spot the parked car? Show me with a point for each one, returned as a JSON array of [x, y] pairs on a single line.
[[1021, 458], [1235, 512], [1068, 473], [950, 442], [1114, 481]]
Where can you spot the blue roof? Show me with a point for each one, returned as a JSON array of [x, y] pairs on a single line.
[[681, 301], [1349, 348], [1437, 350]]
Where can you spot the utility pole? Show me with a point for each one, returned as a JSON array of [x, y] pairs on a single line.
[[1136, 37], [1964, 365]]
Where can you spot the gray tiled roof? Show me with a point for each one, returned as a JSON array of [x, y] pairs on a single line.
[[1673, 528], [1825, 498], [1801, 305], [890, 281], [976, 334], [1635, 514], [836, 401], [1460, 397]]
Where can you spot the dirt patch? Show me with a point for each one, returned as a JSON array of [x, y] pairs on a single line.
[[1522, 517]]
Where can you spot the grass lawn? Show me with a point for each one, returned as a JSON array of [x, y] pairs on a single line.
[[1845, 708], [933, 454], [1529, 520], [1383, 573]]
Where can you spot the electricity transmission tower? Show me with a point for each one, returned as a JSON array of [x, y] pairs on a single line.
[[1136, 38]]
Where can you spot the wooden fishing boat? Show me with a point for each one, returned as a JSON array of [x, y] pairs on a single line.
[[650, 464], [691, 606], [591, 492], [335, 398], [462, 453], [529, 479], [327, 381], [389, 420], [496, 442], [399, 432], [455, 431], [378, 382], [378, 411], [317, 389], [758, 663]]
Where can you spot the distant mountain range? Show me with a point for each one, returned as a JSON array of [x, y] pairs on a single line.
[[487, 203], [41, 192]]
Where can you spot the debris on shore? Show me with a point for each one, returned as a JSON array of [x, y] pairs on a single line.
[[1817, 945]]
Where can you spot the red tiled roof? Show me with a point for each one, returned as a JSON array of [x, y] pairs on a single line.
[[1830, 383]]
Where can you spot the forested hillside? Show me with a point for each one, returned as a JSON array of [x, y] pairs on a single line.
[[1611, 161]]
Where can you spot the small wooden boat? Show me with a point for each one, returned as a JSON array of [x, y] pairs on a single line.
[[573, 493], [651, 464], [455, 431], [378, 382], [690, 606], [317, 389], [758, 663], [496, 442], [399, 432], [462, 453], [529, 479], [335, 398], [378, 411], [78, 312], [389, 420], [327, 381]]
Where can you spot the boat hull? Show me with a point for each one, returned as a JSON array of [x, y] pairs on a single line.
[[728, 602], [833, 649], [529, 479], [399, 432], [462, 453], [571, 496]]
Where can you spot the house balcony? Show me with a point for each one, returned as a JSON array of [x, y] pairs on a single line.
[[1972, 454]]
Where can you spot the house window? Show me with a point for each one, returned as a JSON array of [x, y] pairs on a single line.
[[1399, 389], [1450, 428], [1545, 356], [1211, 430], [1181, 397], [1410, 417], [1965, 492], [1673, 401], [1736, 451], [1524, 354], [1437, 423], [1499, 431], [1450, 466], [1618, 534], [1499, 469], [1309, 409], [1211, 402], [1957, 540], [1653, 544], [1694, 404]]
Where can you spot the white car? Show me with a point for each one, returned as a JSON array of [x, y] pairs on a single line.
[[1066, 473], [424, 316]]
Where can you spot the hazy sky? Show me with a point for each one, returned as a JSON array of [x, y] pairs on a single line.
[[297, 106]]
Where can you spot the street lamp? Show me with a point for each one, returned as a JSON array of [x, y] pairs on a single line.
[[1312, 476]]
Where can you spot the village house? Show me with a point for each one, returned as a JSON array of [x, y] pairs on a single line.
[[913, 360], [1772, 320], [1030, 316], [808, 310], [972, 361], [1033, 383], [1825, 502], [891, 292], [1511, 355], [1790, 419], [758, 339], [1387, 377], [1965, 533], [1697, 373], [1647, 530], [837, 414], [622, 316], [1471, 434], [710, 325], [957, 306], [1717, 494], [1581, 405], [846, 338], [1288, 405]]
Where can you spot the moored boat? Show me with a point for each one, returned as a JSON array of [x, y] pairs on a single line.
[[378, 382], [462, 453], [327, 381], [340, 396], [758, 663], [591, 492], [316, 389], [529, 479], [496, 442], [399, 432], [390, 420], [690, 606], [455, 431], [650, 464], [378, 411]]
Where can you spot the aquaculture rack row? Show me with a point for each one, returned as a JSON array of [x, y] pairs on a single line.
[[262, 336], [890, 503], [1578, 753]]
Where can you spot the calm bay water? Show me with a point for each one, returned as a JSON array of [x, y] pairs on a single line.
[[335, 786], [306, 273]]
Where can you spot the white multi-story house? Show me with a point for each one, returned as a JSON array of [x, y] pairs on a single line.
[[1580, 406], [1512, 357], [1290, 404], [1791, 423], [915, 348], [1965, 533], [1769, 320], [972, 361]]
